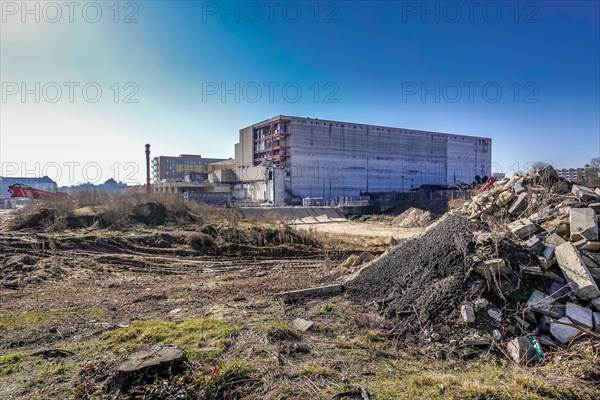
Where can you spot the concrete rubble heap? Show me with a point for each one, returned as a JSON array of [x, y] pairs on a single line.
[[556, 221], [516, 267]]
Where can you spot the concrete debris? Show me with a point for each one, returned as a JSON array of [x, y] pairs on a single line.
[[554, 240], [146, 362], [534, 235], [521, 350], [519, 205], [561, 332], [576, 272], [581, 316], [584, 224], [584, 194], [321, 291], [540, 302], [495, 314], [302, 325], [522, 228], [596, 317], [467, 313]]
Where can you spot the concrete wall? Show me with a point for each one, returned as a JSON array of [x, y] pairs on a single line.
[[244, 152], [330, 158]]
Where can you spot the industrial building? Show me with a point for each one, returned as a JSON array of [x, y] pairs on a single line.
[[285, 159], [171, 168]]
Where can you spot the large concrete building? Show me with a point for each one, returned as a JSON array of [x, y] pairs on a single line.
[[172, 169], [322, 158]]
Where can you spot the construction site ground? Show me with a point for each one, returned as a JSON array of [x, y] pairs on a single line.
[[85, 299]]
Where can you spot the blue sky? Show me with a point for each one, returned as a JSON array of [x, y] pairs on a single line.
[[525, 74]]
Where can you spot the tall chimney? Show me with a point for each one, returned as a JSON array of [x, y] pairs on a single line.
[[148, 189]]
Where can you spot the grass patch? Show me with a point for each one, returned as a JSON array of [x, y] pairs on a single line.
[[30, 319], [326, 308], [315, 371], [203, 339], [12, 358]]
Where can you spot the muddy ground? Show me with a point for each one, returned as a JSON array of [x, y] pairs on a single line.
[[74, 303]]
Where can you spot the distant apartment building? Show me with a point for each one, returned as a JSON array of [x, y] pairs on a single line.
[[173, 169], [43, 183], [586, 175]]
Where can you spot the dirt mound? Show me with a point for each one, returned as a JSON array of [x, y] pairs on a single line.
[[413, 218], [431, 275], [150, 213], [32, 218]]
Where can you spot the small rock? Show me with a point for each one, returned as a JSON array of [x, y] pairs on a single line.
[[563, 333], [467, 313], [597, 322], [436, 337], [581, 316], [496, 334], [174, 311], [540, 302], [495, 314], [521, 350], [302, 324]]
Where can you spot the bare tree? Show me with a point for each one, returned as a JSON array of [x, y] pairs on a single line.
[[595, 162], [538, 165]]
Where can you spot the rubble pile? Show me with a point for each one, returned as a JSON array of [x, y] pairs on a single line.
[[518, 267], [413, 218]]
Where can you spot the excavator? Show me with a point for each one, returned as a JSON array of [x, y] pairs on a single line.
[[18, 190]]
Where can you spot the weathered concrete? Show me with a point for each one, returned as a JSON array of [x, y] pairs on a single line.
[[563, 333], [518, 188], [504, 198], [521, 350], [519, 205], [558, 290], [581, 316], [522, 228], [584, 194], [302, 324], [322, 291], [493, 266], [540, 302], [595, 207], [590, 245], [554, 240], [145, 362], [574, 269], [557, 311], [596, 304], [584, 224], [467, 313], [495, 314]]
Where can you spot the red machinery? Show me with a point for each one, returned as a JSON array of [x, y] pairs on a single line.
[[24, 191], [488, 184]]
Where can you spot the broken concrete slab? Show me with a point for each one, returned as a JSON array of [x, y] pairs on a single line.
[[522, 228], [518, 188], [590, 245], [532, 270], [596, 304], [519, 205], [467, 313], [584, 224], [554, 240], [504, 198], [563, 333], [321, 291], [142, 363], [581, 316], [521, 350], [558, 290], [302, 324], [596, 317], [526, 326], [584, 194], [540, 302], [573, 267], [595, 207], [494, 266], [548, 252]]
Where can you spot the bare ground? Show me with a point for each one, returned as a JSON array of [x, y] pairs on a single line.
[[99, 295]]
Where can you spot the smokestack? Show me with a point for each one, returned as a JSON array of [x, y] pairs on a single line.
[[148, 189]]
